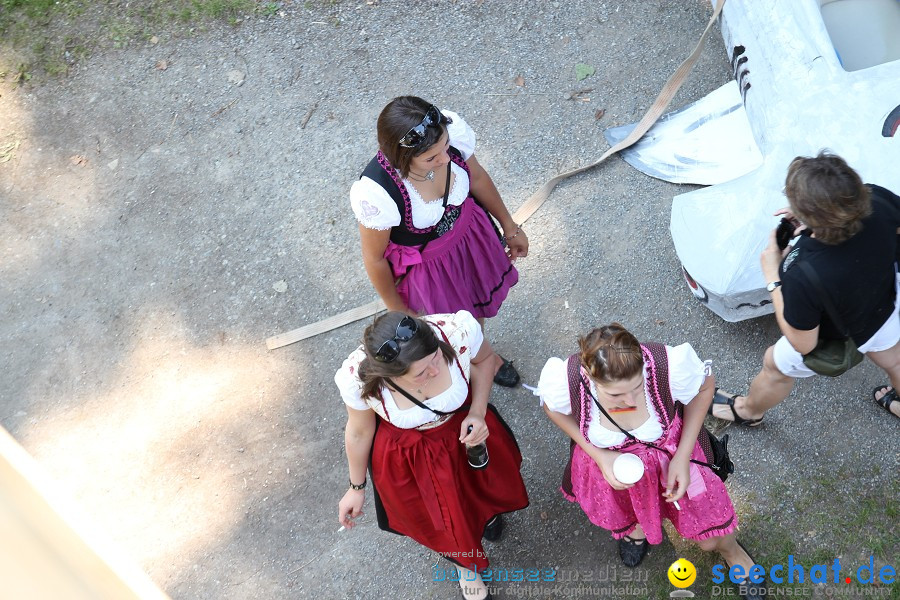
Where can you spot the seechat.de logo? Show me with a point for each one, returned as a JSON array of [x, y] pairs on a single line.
[[795, 572]]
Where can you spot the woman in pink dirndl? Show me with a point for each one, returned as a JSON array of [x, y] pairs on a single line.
[[659, 395], [424, 206]]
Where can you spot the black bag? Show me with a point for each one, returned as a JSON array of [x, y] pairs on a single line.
[[722, 465], [830, 357]]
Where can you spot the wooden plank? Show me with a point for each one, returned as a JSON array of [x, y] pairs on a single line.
[[47, 551], [307, 331]]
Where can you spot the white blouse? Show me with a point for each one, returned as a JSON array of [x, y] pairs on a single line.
[[375, 208], [464, 333], [686, 375]]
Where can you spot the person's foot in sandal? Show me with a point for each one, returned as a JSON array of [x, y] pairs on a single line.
[[633, 548], [886, 397], [724, 407]]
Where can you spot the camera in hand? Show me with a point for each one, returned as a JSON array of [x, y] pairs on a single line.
[[477, 454], [785, 233]]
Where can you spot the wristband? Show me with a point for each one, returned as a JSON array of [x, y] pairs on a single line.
[[361, 486], [518, 231]]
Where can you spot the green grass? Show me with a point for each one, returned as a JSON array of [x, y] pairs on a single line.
[[46, 38], [816, 518]]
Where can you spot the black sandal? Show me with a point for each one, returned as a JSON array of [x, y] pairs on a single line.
[[721, 397], [889, 397], [633, 551]]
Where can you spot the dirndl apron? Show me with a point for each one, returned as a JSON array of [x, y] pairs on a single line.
[[425, 489], [463, 265], [706, 508]]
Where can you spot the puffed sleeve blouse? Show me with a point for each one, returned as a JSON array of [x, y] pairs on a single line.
[[375, 209], [465, 336], [686, 375]]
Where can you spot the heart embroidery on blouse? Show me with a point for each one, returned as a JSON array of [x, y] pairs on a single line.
[[368, 210]]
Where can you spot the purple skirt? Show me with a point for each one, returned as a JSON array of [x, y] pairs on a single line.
[[465, 269]]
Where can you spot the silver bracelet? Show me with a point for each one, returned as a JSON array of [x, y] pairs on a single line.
[[518, 231]]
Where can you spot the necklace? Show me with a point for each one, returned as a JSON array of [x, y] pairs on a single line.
[[429, 176], [424, 385]]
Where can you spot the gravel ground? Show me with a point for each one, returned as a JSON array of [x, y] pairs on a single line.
[[152, 206]]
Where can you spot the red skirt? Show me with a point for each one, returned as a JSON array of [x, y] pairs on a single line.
[[425, 489]]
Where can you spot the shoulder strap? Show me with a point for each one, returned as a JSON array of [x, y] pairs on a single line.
[[377, 173], [380, 171], [829, 307], [656, 358], [632, 439], [416, 401], [580, 411]]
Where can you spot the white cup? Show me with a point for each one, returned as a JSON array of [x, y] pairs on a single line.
[[628, 468]]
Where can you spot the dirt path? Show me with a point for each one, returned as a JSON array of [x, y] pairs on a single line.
[[147, 214]]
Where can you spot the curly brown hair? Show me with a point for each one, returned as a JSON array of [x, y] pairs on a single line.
[[611, 353], [828, 196]]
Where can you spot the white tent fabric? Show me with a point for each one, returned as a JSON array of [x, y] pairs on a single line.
[[798, 100]]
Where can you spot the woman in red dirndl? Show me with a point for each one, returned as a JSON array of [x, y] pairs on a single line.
[[417, 397]]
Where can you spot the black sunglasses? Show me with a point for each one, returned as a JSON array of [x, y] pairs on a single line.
[[415, 136], [390, 350]]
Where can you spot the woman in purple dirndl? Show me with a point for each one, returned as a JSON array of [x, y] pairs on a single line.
[[659, 395], [424, 206]]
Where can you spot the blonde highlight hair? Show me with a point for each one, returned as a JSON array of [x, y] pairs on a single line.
[[611, 353]]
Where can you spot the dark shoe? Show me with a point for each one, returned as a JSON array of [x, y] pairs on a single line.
[[889, 398], [727, 399], [632, 551], [494, 529], [751, 591], [507, 376]]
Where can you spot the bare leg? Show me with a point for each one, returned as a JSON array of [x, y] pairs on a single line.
[[637, 533], [498, 362], [470, 583], [889, 360], [769, 388], [728, 547]]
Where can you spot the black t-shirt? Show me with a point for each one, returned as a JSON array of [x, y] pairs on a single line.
[[857, 274]]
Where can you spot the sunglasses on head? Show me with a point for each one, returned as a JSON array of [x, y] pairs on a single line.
[[415, 136], [390, 350]]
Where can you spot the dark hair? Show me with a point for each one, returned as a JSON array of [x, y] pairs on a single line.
[[611, 353], [828, 196], [396, 119], [373, 373]]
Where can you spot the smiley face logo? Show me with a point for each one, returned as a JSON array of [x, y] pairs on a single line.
[[682, 573]]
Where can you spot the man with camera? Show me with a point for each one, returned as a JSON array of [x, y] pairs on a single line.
[[834, 291]]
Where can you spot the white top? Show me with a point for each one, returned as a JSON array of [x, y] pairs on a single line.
[[686, 375], [375, 208], [465, 336]]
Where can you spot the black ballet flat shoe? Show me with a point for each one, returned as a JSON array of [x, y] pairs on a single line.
[[494, 529], [633, 551], [747, 590], [507, 376]]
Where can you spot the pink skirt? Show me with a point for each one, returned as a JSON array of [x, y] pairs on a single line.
[[465, 269], [707, 514]]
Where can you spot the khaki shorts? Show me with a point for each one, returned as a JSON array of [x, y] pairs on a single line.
[[790, 362]]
